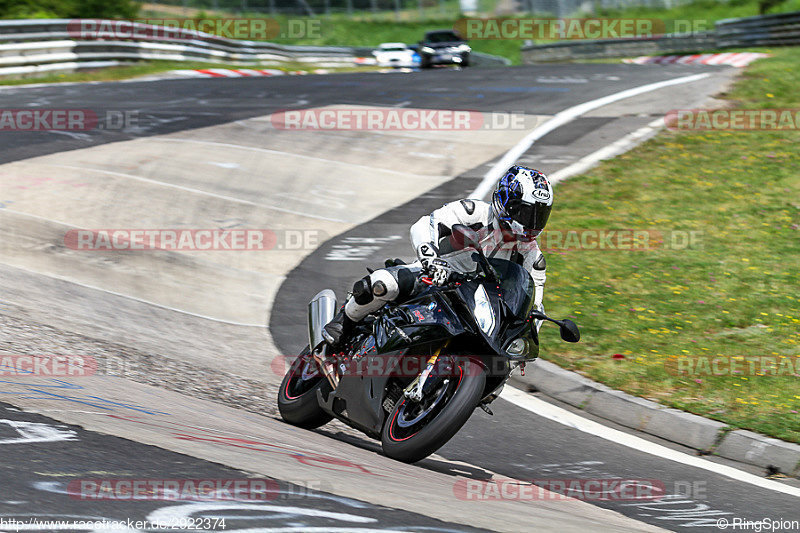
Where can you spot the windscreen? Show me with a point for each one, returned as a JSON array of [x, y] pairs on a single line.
[[516, 284]]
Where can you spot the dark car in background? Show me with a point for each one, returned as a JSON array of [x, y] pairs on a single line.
[[443, 47]]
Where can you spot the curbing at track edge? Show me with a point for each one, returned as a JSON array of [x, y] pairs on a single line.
[[704, 435]]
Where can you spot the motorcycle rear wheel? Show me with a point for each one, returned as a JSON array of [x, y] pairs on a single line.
[[297, 396]]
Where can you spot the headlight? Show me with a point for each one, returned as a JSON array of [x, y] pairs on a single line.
[[522, 348], [428, 50], [464, 48], [483, 311], [517, 348]]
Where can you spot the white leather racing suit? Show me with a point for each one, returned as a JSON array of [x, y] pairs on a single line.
[[434, 230]]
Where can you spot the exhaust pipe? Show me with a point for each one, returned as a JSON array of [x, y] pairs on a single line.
[[321, 310]]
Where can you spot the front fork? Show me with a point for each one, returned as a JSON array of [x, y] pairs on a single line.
[[414, 390]]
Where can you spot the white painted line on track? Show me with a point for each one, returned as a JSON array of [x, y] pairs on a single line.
[[561, 118], [14, 212], [297, 156], [134, 298], [607, 152], [562, 416], [172, 513], [198, 191]]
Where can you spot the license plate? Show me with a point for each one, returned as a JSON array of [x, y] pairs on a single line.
[[445, 56]]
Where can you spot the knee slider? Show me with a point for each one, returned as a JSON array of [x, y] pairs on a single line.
[[384, 286], [540, 263], [362, 292], [379, 289]]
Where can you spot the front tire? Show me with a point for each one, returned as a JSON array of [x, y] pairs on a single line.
[[417, 441], [297, 396]]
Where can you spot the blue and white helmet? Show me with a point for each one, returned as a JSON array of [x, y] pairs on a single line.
[[523, 200]]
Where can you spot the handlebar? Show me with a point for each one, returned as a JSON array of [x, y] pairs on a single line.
[[455, 277]]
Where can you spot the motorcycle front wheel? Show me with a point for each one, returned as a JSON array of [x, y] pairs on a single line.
[[297, 396], [414, 430]]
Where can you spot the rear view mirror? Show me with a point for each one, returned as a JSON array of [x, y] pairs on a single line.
[[569, 330]]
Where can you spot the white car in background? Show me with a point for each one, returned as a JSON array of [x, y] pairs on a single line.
[[395, 55]]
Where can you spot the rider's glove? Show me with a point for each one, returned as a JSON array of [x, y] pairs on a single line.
[[439, 271], [426, 253]]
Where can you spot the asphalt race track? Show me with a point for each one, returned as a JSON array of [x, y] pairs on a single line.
[[190, 346], [36, 475]]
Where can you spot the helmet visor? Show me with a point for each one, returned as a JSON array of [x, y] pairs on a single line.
[[532, 216]]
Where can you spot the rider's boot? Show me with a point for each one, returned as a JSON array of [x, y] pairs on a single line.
[[336, 329]]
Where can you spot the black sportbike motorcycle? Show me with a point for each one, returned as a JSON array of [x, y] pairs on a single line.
[[413, 373]]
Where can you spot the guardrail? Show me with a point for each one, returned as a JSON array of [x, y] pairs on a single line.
[[608, 48], [769, 30], [782, 29], [36, 46]]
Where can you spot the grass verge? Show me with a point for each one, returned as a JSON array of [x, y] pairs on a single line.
[[732, 295], [708, 11]]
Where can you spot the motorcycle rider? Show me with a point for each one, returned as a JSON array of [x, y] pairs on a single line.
[[508, 226]]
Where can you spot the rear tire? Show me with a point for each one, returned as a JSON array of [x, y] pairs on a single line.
[[441, 428], [297, 396]]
